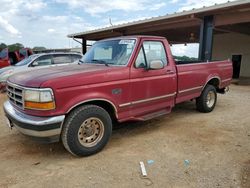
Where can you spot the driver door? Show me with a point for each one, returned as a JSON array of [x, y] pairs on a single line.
[[152, 90]]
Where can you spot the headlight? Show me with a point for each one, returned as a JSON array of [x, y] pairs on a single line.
[[46, 96], [32, 95], [39, 99]]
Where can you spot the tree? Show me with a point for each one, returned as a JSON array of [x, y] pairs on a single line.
[[15, 47], [39, 48], [2, 46]]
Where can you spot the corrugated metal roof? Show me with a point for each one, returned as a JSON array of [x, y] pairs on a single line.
[[167, 16]]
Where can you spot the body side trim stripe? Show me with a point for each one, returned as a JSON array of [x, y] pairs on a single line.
[[147, 100], [190, 89]]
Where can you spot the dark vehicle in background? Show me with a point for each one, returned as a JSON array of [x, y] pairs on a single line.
[[8, 58]]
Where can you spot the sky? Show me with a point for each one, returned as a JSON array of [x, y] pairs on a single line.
[[47, 23]]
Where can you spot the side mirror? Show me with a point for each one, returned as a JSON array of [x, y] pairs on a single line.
[[156, 64]]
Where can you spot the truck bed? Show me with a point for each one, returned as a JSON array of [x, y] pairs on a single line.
[[192, 77]]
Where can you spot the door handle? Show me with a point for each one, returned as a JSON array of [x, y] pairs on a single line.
[[170, 72]]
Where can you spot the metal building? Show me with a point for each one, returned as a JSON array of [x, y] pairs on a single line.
[[222, 31]]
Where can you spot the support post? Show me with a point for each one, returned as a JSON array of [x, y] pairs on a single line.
[[84, 46], [206, 38]]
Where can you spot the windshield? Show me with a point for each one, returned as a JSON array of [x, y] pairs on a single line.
[[3, 53], [114, 52], [26, 60]]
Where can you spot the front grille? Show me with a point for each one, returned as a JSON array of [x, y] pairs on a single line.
[[15, 95]]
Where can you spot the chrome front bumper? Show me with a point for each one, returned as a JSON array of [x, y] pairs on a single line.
[[46, 129]]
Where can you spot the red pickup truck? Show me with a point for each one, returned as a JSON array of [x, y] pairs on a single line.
[[119, 79]]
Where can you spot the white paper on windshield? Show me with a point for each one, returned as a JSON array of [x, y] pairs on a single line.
[[127, 41]]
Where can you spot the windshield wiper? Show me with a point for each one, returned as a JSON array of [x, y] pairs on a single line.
[[100, 61]]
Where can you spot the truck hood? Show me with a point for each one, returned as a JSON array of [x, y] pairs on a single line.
[[69, 75]]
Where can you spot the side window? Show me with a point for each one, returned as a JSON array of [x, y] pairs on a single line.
[[140, 60], [42, 61], [75, 57], [61, 59], [155, 50]]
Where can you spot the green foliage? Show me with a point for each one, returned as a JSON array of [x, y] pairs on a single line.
[[39, 48], [2, 46], [15, 47], [185, 58]]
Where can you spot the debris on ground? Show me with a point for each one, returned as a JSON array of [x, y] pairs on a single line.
[[37, 163], [186, 162], [150, 161], [143, 169]]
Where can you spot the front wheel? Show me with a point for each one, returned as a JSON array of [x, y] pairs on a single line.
[[207, 100], [86, 130]]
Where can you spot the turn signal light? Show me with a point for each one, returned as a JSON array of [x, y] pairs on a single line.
[[40, 105]]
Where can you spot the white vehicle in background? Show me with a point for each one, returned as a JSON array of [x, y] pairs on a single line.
[[38, 61]]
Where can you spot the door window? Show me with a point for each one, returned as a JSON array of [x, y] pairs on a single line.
[[61, 59], [43, 61], [151, 50]]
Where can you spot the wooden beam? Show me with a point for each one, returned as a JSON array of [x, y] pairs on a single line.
[[164, 24], [153, 26], [232, 18], [164, 27], [234, 29], [222, 30], [103, 35]]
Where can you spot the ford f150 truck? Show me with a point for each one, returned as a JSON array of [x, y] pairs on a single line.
[[119, 79]]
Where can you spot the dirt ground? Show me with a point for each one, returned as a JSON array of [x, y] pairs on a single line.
[[216, 147]]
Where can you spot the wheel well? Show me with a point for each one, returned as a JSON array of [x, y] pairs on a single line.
[[214, 82], [104, 104]]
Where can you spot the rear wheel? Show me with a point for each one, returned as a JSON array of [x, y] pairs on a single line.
[[86, 130], [207, 100]]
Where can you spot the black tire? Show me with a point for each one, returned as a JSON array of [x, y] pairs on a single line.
[[202, 103], [81, 119]]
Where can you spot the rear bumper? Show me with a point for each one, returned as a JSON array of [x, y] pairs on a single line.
[[45, 129]]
